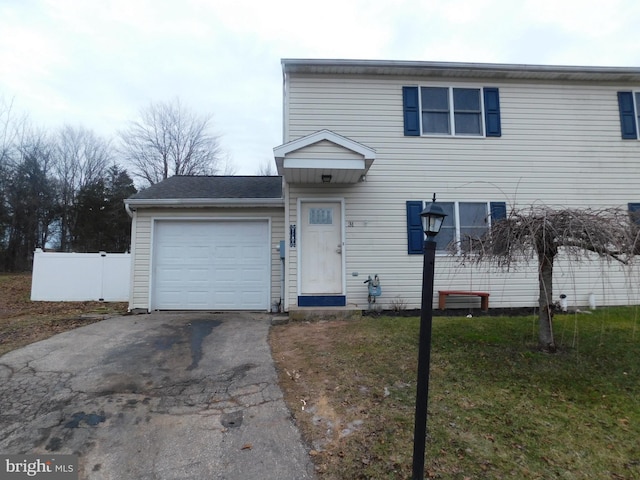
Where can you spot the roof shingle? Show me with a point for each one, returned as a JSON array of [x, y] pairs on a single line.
[[200, 186]]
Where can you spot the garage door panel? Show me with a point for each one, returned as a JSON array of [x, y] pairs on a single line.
[[249, 255], [211, 265], [171, 298], [169, 275], [198, 300], [226, 254], [197, 276]]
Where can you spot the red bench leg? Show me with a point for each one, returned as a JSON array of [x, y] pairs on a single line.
[[484, 303]]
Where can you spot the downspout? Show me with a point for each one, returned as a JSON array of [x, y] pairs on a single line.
[[128, 210], [282, 257], [285, 190], [287, 249], [132, 253]]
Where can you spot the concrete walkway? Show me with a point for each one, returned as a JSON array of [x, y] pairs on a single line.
[[161, 396]]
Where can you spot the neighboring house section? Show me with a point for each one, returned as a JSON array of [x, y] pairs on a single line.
[[367, 143], [207, 243]]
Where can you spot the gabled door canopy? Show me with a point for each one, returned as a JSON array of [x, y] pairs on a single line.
[[323, 157]]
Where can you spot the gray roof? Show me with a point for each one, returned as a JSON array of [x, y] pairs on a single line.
[[213, 187]]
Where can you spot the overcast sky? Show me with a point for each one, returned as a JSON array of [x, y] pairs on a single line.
[[95, 63]]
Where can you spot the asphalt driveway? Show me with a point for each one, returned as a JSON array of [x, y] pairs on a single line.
[[160, 396]]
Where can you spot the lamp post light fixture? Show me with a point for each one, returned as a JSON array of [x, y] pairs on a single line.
[[432, 217]]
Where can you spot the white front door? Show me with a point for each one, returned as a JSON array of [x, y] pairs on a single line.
[[321, 248]]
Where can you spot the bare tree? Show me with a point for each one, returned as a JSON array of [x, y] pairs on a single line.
[[9, 128], [225, 165], [81, 159], [7, 144], [546, 233], [168, 139], [266, 169]]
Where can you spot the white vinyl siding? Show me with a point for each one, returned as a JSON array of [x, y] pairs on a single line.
[[142, 243], [326, 150], [560, 147]]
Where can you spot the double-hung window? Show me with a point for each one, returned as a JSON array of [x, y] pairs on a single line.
[[451, 111], [465, 222]]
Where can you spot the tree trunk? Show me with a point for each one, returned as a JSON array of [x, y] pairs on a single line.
[[545, 301]]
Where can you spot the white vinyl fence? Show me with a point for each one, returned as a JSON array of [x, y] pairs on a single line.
[[80, 276]]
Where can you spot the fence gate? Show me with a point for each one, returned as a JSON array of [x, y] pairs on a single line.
[[80, 276]]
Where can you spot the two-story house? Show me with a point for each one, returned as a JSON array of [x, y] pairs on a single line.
[[366, 144]]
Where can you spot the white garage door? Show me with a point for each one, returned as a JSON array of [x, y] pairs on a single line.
[[211, 265]]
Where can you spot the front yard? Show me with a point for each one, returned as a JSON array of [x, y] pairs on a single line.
[[497, 409]]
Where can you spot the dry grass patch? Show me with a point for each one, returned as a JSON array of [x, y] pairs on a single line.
[[23, 322], [498, 407]]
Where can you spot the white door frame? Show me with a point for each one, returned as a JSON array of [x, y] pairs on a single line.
[[300, 238]]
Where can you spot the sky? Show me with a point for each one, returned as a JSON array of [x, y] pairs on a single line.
[[96, 63]]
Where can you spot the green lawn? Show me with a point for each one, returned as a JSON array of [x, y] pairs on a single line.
[[498, 408]]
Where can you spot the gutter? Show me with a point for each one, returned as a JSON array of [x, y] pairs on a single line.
[[461, 69]]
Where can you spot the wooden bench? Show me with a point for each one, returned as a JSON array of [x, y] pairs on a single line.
[[443, 294]]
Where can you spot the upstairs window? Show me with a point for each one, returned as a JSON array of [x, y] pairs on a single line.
[[451, 111], [465, 118]]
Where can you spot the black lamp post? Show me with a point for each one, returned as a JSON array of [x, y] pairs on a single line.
[[432, 217]]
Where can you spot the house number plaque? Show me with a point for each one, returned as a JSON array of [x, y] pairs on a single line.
[[292, 236]]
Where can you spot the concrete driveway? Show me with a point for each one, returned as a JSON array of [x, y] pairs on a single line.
[[160, 396]]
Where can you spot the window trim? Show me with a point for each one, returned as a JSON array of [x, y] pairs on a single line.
[[452, 112]]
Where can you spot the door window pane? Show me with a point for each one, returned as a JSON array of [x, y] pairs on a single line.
[[320, 216]]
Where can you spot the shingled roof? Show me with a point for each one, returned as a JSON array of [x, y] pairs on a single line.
[[210, 190]]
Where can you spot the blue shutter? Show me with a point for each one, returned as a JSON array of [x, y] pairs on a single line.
[[634, 211], [627, 115], [492, 112], [415, 235], [498, 211], [410, 106]]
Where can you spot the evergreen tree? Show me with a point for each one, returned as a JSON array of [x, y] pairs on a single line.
[[102, 224], [32, 208]]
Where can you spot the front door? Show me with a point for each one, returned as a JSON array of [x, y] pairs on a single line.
[[321, 248]]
